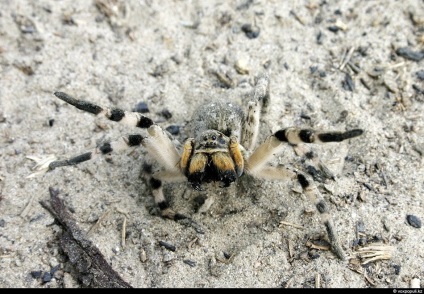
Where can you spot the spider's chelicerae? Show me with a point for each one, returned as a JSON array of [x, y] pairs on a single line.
[[221, 149]]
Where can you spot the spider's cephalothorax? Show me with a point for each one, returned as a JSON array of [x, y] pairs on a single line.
[[221, 149]]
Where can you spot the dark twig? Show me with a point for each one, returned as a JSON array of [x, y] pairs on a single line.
[[93, 270]]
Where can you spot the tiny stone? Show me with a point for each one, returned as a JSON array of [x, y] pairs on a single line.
[[397, 269], [36, 274], [167, 246], [413, 221], [47, 277], [333, 29], [51, 122], [173, 129], [251, 32], [166, 114], [420, 74], [141, 107], [2, 223], [190, 262], [407, 53]]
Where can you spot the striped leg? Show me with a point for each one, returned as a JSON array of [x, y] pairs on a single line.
[[157, 144], [119, 145], [260, 102], [155, 181], [274, 143], [310, 190], [315, 197], [257, 166], [134, 119]]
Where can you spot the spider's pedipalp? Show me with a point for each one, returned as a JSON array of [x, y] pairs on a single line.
[[129, 118]]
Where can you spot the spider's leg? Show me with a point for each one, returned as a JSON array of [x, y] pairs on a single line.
[[106, 148], [259, 102], [315, 197], [310, 190], [156, 180], [129, 118], [274, 143]]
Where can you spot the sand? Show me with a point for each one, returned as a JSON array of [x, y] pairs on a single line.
[[333, 66]]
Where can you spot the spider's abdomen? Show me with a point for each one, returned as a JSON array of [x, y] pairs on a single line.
[[220, 115]]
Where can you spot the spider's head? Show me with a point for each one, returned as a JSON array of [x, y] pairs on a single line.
[[211, 141], [212, 156]]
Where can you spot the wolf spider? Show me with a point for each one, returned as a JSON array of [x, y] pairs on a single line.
[[221, 149]]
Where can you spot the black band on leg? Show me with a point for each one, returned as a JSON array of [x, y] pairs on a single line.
[[303, 181], [306, 136], [144, 122], [338, 137], [155, 183], [322, 206], [80, 104], [281, 135], [163, 205], [353, 133], [73, 161]]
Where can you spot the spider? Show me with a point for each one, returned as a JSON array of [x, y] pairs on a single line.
[[221, 149]]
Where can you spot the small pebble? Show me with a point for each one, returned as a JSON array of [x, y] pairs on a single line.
[[166, 114], [173, 129], [420, 74], [251, 32], [190, 262], [36, 274], [167, 246], [413, 221], [397, 269], [408, 53], [141, 107], [348, 83], [47, 277]]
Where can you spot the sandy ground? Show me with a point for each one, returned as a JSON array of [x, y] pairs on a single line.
[[333, 65]]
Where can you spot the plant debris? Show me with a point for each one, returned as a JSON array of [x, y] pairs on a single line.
[[92, 268]]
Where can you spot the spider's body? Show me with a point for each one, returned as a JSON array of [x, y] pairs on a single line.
[[221, 148], [214, 154]]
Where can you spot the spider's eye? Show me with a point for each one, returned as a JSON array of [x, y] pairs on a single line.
[[214, 137]]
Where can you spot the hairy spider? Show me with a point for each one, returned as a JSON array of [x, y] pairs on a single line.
[[221, 149]]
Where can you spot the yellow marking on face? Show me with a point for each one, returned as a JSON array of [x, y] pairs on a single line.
[[187, 152], [198, 163], [236, 155]]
